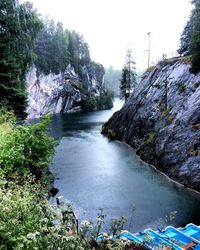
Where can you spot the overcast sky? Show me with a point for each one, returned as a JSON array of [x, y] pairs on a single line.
[[110, 26]]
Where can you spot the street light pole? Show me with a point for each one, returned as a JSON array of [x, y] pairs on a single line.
[[149, 50]]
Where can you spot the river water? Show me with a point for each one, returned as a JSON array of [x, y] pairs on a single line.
[[92, 172]]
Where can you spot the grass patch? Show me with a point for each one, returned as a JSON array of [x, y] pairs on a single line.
[[165, 111], [150, 69], [170, 119], [151, 138], [181, 88]]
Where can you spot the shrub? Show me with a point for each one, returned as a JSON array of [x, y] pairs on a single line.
[[26, 219], [89, 104], [170, 119], [165, 111], [181, 88], [151, 138], [25, 149], [104, 101], [110, 134]]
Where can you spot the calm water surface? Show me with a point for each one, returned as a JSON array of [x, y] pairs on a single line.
[[92, 172]]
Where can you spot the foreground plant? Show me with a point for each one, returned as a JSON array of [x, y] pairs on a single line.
[[25, 149]]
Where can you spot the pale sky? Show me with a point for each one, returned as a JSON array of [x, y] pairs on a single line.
[[111, 26]]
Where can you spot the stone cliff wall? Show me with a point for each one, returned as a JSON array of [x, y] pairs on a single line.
[[161, 120], [59, 93]]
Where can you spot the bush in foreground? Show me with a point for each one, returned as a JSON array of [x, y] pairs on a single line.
[[25, 149]]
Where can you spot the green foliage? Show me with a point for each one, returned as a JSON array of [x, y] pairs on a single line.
[[91, 231], [6, 117], [165, 111], [181, 88], [128, 79], [151, 138], [190, 39], [89, 104], [170, 119], [26, 219], [110, 134], [104, 101], [56, 48], [117, 225], [78, 50], [25, 149], [185, 39], [19, 27], [52, 48]]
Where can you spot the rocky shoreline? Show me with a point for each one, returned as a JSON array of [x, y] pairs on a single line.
[[161, 120]]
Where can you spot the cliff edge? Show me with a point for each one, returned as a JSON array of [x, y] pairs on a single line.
[[161, 120], [63, 92]]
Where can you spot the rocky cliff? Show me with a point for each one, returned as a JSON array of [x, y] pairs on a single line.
[[63, 92], [161, 120]]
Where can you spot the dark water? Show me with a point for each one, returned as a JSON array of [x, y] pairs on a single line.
[[93, 172]]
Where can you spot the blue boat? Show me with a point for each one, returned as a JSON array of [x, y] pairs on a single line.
[[153, 240], [191, 230], [180, 239], [187, 238], [131, 237], [144, 239], [159, 241]]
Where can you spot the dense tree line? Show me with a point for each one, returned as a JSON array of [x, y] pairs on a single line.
[[56, 48], [51, 48], [19, 26], [190, 38], [24, 39]]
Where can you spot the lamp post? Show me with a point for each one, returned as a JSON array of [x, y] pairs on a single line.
[[149, 34]]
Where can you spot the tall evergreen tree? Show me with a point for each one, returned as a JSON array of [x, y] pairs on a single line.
[[190, 39], [195, 38], [52, 48], [19, 25], [185, 39], [128, 79]]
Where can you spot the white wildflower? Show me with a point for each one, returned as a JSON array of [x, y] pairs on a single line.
[[85, 223], [31, 236], [104, 234]]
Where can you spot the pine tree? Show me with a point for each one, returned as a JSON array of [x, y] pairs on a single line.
[[19, 25], [190, 39], [195, 38], [184, 49], [128, 79]]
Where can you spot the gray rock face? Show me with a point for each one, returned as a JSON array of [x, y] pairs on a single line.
[[161, 120], [58, 93]]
